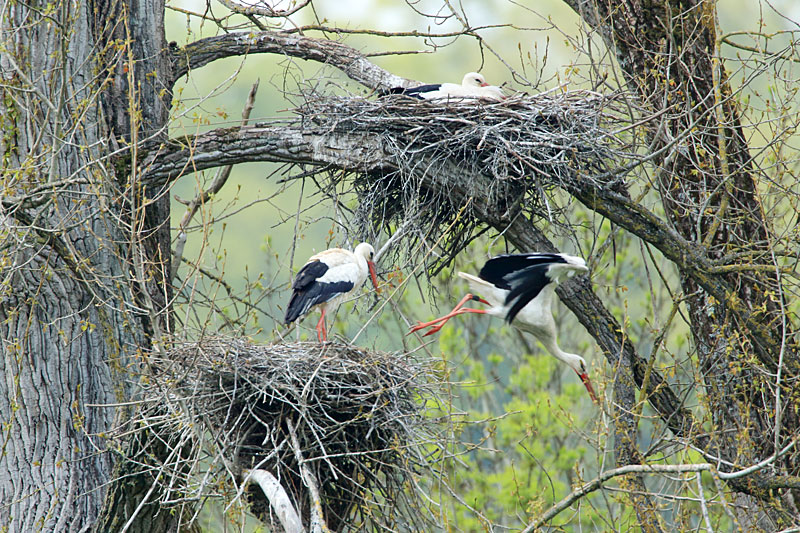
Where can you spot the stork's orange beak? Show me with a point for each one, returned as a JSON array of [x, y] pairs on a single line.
[[588, 384], [373, 276]]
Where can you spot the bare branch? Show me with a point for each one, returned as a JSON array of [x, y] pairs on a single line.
[[264, 10], [278, 499], [412, 33], [350, 61], [317, 520], [203, 197], [597, 483]]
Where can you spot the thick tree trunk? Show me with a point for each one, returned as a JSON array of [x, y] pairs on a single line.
[[74, 307], [708, 187]]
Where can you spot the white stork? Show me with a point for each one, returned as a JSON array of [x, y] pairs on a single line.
[[472, 86], [327, 279], [521, 286]]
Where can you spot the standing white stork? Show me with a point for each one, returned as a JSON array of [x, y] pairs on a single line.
[[521, 286], [327, 279], [472, 86]]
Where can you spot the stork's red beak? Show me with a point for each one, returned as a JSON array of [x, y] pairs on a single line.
[[588, 384], [373, 276], [484, 84]]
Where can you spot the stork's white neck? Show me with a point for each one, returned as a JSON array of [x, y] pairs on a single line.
[[576, 362]]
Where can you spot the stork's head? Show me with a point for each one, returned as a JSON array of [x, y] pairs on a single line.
[[366, 251], [473, 79]]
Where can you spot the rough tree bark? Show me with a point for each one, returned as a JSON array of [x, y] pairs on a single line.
[[82, 243]]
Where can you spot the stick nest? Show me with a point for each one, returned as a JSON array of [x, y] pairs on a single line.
[[509, 154], [226, 405]]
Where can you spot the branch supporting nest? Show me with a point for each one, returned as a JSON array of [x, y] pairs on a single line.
[[417, 164], [334, 434], [278, 499]]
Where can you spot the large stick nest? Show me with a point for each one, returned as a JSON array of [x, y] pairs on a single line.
[[359, 417], [509, 154]]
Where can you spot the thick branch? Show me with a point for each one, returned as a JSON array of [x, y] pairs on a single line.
[[364, 152], [347, 59], [280, 144], [278, 498]]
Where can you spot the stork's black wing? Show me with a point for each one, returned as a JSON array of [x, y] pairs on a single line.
[[416, 92], [311, 272], [308, 291]]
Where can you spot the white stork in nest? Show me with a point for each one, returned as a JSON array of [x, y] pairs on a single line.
[[521, 287], [472, 86], [327, 279]]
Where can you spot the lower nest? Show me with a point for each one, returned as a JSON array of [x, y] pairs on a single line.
[[353, 418]]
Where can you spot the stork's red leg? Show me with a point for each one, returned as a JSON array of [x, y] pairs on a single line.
[[322, 331], [588, 384], [457, 310]]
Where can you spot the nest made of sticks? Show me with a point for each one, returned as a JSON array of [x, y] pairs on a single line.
[[356, 419], [509, 154]]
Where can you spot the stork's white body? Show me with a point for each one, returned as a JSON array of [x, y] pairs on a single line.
[[343, 266], [537, 315], [520, 288], [472, 86], [536, 318]]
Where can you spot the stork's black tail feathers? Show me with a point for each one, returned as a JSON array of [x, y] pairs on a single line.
[[298, 306]]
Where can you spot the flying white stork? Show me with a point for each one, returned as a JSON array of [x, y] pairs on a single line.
[[327, 279], [472, 86], [521, 287]]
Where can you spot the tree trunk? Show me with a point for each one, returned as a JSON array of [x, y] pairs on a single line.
[[76, 311], [668, 55]]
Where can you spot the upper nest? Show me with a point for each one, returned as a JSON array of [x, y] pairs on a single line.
[[508, 155], [356, 415]]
